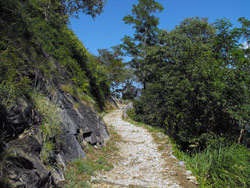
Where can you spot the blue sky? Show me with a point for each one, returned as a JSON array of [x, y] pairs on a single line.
[[108, 28]]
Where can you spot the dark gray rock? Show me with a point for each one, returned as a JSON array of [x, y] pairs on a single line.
[[70, 148], [19, 118], [23, 138], [24, 166]]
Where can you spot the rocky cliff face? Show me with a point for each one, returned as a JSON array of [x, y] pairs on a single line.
[[23, 138]]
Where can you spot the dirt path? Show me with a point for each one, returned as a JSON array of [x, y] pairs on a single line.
[[140, 164]]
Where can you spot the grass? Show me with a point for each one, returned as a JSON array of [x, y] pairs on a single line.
[[50, 127], [68, 89], [48, 147], [226, 166], [73, 179], [76, 105], [218, 166], [79, 172], [84, 97]]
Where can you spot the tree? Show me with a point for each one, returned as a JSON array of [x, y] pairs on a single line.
[[245, 30], [245, 34], [145, 25], [195, 94], [226, 40], [89, 7], [115, 68]]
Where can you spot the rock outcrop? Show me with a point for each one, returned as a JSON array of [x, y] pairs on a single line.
[[126, 108], [22, 139]]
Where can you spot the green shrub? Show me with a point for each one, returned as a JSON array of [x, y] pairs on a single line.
[[193, 90], [131, 114]]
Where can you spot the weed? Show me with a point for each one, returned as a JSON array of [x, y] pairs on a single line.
[[73, 180], [83, 166], [68, 89], [161, 147], [48, 147], [84, 97], [50, 127], [76, 105]]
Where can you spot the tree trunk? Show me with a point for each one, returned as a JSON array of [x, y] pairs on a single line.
[[241, 132]]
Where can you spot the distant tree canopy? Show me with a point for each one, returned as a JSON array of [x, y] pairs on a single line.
[[114, 66], [120, 76]]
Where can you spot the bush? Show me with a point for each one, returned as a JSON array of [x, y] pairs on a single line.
[[131, 114]]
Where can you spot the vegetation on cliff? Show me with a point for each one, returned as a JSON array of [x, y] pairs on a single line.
[[32, 32]]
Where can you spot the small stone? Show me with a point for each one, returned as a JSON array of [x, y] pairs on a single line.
[[188, 172], [173, 157], [182, 163], [84, 144], [193, 179]]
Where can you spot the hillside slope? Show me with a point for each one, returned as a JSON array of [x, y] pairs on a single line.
[[50, 90]]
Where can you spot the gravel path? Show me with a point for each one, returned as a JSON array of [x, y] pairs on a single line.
[[140, 163]]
